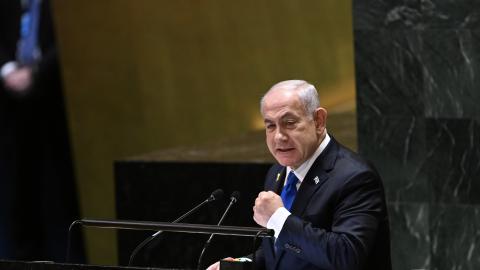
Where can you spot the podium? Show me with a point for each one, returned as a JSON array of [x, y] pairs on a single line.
[[189, 175], [21, 265], [254, 232]]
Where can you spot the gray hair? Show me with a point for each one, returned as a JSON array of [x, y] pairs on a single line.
[[306, 92]]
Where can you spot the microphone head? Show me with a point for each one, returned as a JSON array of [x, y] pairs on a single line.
[[235, 196], [216, 195]]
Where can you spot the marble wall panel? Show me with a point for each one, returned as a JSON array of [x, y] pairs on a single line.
[[416, 14], [396, 145], [417, 71], [451, 68], [455, 236], [453, 160], [389, 72], [410, 238]]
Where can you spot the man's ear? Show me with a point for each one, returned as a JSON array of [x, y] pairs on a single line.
[[320, 117]]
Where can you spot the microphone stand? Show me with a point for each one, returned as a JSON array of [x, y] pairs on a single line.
[[233, 199], [214, 196]]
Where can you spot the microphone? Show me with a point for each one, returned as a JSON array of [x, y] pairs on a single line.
[[233, 199], [216, 195]]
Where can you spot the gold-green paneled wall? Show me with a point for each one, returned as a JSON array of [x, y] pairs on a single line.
[[142, 75]]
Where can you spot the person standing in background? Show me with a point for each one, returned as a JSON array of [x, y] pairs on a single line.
[[37, 190]]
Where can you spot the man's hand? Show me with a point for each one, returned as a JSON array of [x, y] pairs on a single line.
[[19, 80], [265, 205]]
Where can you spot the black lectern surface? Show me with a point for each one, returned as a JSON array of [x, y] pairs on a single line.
[[22, 265]]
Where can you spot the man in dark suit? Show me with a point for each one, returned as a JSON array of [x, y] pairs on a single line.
[[324, 202], [35, 163]]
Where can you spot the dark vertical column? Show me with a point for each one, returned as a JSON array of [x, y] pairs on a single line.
[[418, 99]]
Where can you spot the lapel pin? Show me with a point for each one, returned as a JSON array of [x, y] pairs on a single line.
[[316, 180], [278, 177]]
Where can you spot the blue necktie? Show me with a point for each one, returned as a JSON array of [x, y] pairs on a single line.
[[28, 46], [289, 190]]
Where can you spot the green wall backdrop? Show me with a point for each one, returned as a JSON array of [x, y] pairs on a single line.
[[143, 75]]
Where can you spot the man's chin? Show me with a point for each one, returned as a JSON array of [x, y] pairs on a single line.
[[286, 162]]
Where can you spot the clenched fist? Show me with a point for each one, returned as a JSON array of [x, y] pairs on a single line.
[[266, 204]]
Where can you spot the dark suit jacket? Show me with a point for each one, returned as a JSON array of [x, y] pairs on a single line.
[[339, 218]]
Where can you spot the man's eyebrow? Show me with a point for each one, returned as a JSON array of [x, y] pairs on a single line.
[[282, 117]]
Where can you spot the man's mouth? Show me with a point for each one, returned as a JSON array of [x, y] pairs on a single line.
[[285, 150]]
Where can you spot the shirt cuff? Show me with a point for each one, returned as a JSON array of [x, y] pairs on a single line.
[[277, 220], [8, 68]]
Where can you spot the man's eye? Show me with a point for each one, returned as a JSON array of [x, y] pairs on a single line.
[[269, 126], [291, 123]]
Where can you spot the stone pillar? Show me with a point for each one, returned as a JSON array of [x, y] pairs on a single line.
[[418, 105]]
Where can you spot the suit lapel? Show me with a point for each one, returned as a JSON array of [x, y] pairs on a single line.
[[310, 184], [279, 181], [315, 178]]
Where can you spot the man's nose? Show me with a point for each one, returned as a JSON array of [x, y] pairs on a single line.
[[280, 135]]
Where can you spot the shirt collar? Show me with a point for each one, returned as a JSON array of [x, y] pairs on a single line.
[[302, 171]]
